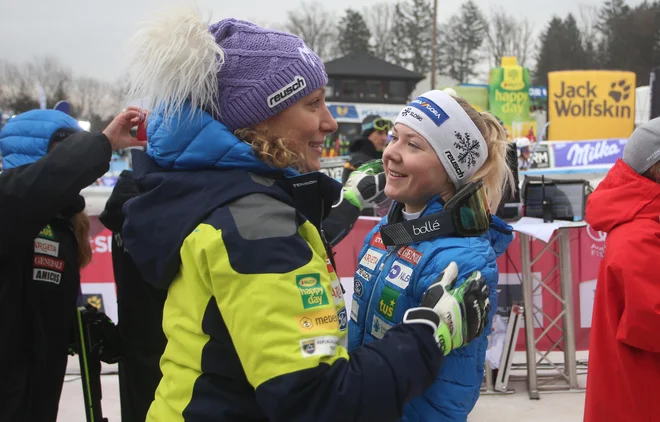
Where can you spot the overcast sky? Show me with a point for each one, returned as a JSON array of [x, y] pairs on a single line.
[[90, 35]]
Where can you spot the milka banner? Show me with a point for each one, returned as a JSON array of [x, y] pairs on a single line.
[[587, 153]]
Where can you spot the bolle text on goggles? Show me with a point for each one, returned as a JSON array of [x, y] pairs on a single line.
[[378, 124], [466, 214]]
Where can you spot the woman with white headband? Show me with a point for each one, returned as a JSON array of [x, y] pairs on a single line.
[[230, 221], [446, 168]]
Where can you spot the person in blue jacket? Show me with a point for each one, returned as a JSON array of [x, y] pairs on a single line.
[[445, 166], [229, 221]]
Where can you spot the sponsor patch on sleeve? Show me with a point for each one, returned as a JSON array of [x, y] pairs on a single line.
[[312, 291], [364, 274], [46, 247], [410, 255], [39, 274], [319, 346], [48, 263], [326, 319], [358, 288], [371, 258], [331, 269], [47, 233], [379, 327], [399, 274], [337, 295], [387, 302], [343, 319], [355, 310], [377, 242]]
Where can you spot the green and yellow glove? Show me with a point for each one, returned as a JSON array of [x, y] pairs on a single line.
[[457, 315], [366, 184]]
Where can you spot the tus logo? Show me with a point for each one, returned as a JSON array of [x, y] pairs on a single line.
[[583, 100]]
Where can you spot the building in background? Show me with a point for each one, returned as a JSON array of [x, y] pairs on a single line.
[[359, 85]]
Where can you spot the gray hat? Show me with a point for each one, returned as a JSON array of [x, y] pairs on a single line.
[[642, 149]]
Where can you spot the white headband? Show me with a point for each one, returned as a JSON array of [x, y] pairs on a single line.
[[453, 135]]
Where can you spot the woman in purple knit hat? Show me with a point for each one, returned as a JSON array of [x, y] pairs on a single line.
[[230, 221]]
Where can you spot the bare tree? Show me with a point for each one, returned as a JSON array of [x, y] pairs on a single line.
[[316, 26], [50, 74], [508, 36], [380, 20], [12, 81], [588, 21]]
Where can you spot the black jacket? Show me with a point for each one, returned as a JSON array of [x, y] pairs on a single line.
[[362, 150], [39, 272], [140, 309]]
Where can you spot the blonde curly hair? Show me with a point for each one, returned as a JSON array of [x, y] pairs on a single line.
[[273, 150]]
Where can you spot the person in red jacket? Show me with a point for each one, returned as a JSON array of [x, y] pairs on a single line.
[[624, 354]]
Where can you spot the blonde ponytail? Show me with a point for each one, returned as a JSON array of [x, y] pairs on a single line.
[[495, 172]]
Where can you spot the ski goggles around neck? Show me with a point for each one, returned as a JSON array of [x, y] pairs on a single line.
[[466, 214]]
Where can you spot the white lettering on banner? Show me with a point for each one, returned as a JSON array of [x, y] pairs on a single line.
[[101, 244], [379, 327], [399, 275], [598, 251], [334, 172], [319, 346], [337, 295], [583, 155], [595, 235], [370, 259], [47, 247], [39, 274], [355, 310]]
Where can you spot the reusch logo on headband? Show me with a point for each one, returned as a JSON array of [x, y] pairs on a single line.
[[457, 168], [287, 92], [431, 109]]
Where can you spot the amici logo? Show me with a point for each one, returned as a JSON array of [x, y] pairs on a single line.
[[595, 235]]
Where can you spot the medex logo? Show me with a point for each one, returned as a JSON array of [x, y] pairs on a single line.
[[582, 100]]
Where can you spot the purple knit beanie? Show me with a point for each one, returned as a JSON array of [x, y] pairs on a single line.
[[264, 72]]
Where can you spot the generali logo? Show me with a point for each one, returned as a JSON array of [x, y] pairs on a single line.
[[594, 100]]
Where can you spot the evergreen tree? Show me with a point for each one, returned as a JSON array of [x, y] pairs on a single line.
[[354, 34], [460, 42], [560, 48], [413, 31]]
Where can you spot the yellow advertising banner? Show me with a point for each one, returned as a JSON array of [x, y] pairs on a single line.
[[593, 104]]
